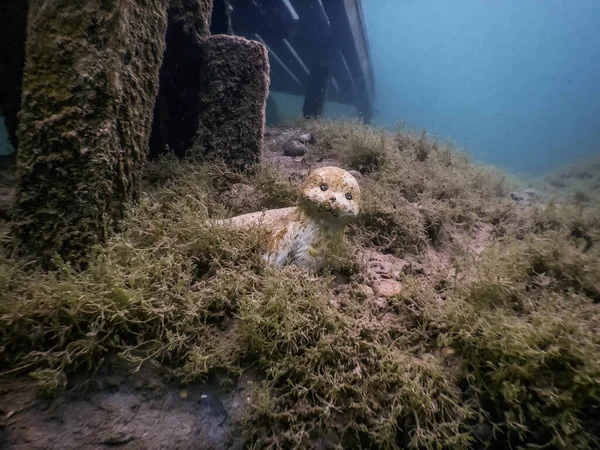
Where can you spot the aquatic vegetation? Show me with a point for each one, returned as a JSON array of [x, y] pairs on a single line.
[[410, 200], [500, 345]]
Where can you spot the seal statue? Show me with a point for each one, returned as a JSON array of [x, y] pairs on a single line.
[[303, 235]]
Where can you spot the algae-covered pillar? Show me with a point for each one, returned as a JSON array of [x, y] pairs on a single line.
[[213, 89], [234, 85], [89, 85]]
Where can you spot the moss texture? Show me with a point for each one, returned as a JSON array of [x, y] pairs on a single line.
[[234, 88], [493, 348], [176, 109], [90, 81]]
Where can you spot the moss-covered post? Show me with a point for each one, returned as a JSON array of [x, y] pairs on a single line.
[[234, 86], [89, 85]]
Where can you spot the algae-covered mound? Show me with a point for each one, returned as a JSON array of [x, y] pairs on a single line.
[[491, 338]]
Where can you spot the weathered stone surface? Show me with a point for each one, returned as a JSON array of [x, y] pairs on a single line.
[[235, 84], [176, 110], [89, 85], [13, 17]]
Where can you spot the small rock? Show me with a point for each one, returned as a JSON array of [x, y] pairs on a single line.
[[387, 288], [294, 148], [334, 302], [307, 138]]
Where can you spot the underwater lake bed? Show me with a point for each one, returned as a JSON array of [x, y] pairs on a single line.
[[462, 311]]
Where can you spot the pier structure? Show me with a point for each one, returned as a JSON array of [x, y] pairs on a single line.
[[318, 49]]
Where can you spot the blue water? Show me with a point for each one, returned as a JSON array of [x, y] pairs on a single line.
[[515, 82]]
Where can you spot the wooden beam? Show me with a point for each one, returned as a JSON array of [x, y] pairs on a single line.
[[282, 64], [313, 39], [318, 81], [354, 14], [296, 36]]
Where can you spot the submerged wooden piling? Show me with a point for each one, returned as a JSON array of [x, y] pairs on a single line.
[[318, 82], [89, 85]]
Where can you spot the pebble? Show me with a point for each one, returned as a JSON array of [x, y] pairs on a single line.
[[294, 149]]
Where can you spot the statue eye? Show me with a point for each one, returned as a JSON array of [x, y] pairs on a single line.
[[324, 187], [349, 196]]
